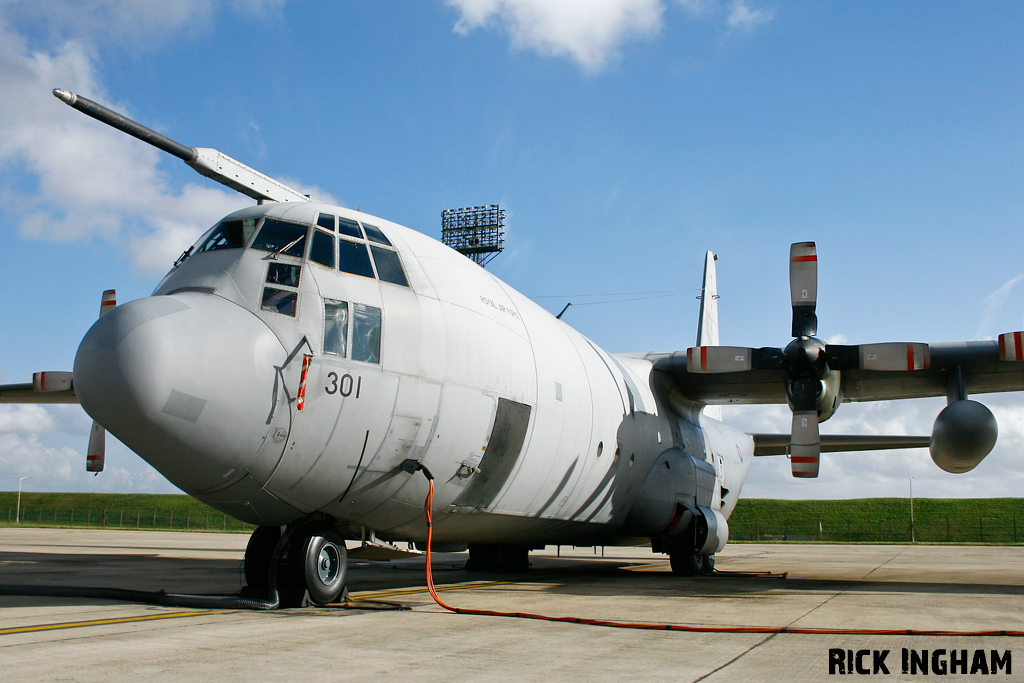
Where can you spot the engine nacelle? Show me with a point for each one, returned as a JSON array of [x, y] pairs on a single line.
[[964, 433], [712, 531]]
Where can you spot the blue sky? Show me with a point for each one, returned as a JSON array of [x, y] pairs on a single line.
[[623, 137]]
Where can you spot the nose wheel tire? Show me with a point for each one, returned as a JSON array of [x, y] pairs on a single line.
[[319, 563]]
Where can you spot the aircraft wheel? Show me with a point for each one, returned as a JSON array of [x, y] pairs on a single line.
[[319, 563], [685, 562], [709, 565], [258, 553]]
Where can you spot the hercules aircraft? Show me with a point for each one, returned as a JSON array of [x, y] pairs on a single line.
[[302, 362]]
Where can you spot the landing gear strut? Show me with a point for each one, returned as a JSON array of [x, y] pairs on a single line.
[[685, 562], [312, 565]]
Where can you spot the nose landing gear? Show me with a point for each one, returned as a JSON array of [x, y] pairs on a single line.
[[311, 567]]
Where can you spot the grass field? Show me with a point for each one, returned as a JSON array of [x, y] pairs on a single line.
[[880, 520], [866, 520], [113, 510]]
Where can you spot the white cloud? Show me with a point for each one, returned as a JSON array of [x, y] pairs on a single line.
[[994, 303], [90, 180], [26, 419], [588, 31], [742, 17], [591, 32]]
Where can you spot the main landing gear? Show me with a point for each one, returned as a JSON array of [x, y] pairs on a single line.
[[311, 564], [685, 562]]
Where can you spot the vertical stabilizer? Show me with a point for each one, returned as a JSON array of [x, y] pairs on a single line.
[[707, 326]]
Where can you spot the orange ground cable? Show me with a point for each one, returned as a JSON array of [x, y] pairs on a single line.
[[428, 504]]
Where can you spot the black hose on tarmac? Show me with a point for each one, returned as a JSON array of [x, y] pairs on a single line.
[[272, 602]]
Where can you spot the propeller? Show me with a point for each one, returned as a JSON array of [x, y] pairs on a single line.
[[812, 368], [96, 455]]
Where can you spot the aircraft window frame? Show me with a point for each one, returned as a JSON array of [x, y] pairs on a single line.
[[357, 264], [336, 332], [281, 301], [374, 234], [326, 221], [238, 234], [367, 322], [392, 271], [349, 227], [281, 234], [331, 248], [283, 274]]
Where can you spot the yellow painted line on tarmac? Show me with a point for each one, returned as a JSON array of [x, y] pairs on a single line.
[[413, 591], [107, 622]]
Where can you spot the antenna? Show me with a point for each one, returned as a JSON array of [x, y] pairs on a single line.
[[477, 232]]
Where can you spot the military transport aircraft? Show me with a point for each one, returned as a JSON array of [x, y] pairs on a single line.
[[301, 363]]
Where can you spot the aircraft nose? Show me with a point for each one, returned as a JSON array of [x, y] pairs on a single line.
[[187, 381]]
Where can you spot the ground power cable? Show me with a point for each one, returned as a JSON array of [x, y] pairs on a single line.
[[428, 510]]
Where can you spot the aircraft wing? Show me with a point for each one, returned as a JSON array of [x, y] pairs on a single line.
[[983, 368]]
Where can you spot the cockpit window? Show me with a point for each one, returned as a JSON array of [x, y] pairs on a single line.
[[389, 268], [279, 301], [283, 274], [353, 258], [278, 236], [349, 227], [374, 234], [325, 221], [229, 235], [322, 251], [365, 333], [335, 327]]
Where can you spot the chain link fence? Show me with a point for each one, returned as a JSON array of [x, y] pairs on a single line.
[[110, 518]]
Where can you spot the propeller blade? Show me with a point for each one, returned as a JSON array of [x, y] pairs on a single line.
[[805, 444], [96, 455], [710, 359], [885, 357], [714, 359], [108, 302], [1011, 346], [803, 288]]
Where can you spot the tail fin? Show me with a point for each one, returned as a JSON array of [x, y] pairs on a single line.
[[707, 327]]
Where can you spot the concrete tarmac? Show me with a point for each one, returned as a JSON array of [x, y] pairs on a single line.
[[950, 588]]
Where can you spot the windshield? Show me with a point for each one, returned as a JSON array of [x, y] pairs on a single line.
[[275, 235]]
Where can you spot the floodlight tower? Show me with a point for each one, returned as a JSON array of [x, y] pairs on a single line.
[[477, 232]]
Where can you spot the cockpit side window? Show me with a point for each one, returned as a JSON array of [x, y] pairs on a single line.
[[322, 251], [325, 221], [353, 258], [229, 235], [374, 234], [349, 227], [389, 268], [278, 236], [365, 333], [335, 327]]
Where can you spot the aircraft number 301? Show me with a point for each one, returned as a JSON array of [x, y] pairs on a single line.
[[345, 385]]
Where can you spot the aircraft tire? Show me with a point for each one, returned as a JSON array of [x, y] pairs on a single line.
[[320, 564], [708, 567], [685, 562], [258, 554]]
